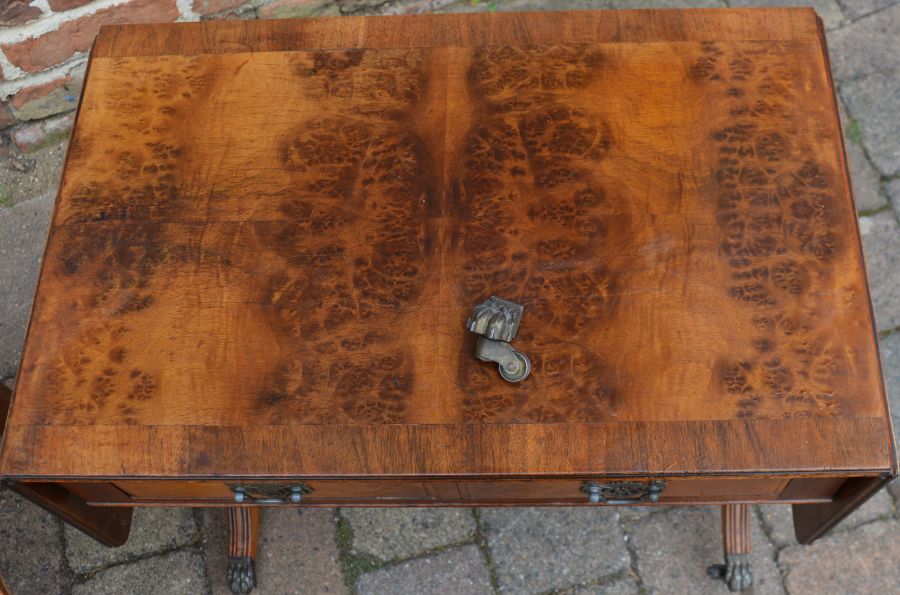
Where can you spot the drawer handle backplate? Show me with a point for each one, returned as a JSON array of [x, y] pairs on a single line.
[[623, 492], [269, 494]]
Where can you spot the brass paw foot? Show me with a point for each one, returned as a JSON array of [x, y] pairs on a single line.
[[735, 572], [241, 575]]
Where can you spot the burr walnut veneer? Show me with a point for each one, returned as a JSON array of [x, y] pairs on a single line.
[[269, 236]]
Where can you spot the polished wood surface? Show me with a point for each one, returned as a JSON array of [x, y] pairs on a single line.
[[736, 535], [109, 526], [269, 236]]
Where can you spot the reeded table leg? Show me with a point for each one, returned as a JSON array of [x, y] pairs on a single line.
[[736, 540], [243, 543]]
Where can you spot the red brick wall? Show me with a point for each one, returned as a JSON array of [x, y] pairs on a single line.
[[44, 46]]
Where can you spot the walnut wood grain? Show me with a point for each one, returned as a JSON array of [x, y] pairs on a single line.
[[109, 526], [736, 534], [269, 236]]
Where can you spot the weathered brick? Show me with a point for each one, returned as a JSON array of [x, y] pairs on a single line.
[[59, 5], [32, 557], [288, 9], [860, 8], [38, 53], [176, 573], [17, 12], [153, 530], [866, 183], [860, 561], [204, 7], [460, 571], [6, 117], [893, 191], [540, 549], [397, 533], [866, 65], [48, 99], [828, 10], [33, 136], [889, 347], [881, 241], [675, 547], [778, 518]]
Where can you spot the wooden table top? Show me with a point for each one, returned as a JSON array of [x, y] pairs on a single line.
[[269, 236]]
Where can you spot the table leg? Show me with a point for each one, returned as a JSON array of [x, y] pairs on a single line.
[[243, 543], [736, 541]]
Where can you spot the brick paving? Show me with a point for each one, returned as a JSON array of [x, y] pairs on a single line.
[[565, 551]]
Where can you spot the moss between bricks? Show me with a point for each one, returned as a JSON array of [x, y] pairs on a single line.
[[51, 139], [853, 132], [353, 564], [481, 542]]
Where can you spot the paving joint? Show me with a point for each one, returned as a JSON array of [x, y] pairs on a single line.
[[776, 549], [609, 579], [353, 564], [483, 546], [201, 529], [633, 558]]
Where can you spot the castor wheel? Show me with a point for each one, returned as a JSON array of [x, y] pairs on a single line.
[[518, 370]]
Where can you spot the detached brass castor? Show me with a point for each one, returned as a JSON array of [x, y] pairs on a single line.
[[497, 321]]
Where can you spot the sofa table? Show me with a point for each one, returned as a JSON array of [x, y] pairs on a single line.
[[579, 258]]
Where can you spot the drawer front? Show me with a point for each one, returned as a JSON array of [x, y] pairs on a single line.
[[576, 490], [329, 490], [350, 492]]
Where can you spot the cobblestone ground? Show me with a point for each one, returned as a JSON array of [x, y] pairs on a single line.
[[459, 551]]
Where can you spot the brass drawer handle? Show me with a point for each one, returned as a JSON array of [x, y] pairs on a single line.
[[497, 321], [265, 494], [623, 492]]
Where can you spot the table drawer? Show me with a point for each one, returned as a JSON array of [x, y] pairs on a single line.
[[350, 492]]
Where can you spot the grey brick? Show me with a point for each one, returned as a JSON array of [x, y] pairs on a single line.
[[538, 549], [855, 9], [619, 586], [866, 46], [461, 571], [889, 347], [624, 4], [524, 5], [674, 549], [881, 242], [828, 10], [866, 65], [29, 539], [397, 533], [630, 515], [866, 181], [296, 551], [23, 229], [177, 573], [892, 189], [153, 530], [875, 103], [779, 522], [862, 561]]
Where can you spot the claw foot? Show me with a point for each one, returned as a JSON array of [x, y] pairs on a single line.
[[241, 577], [735, 572]]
